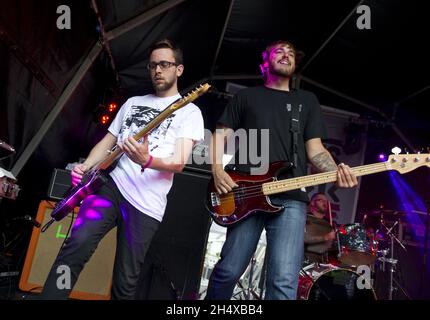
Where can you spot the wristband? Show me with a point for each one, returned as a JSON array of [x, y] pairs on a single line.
[[147, 164]]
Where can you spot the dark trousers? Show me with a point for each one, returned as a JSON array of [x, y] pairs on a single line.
[[98, 214]]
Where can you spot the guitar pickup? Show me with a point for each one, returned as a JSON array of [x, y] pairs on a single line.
[[215, 200]]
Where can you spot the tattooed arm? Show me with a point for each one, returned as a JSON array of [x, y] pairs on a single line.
[[319, 156]]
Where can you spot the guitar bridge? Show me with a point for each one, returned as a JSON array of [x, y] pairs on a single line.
[[215, 200]]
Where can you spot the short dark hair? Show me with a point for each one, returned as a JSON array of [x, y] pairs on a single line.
[[266, 53], [298, 54], [166, 43]]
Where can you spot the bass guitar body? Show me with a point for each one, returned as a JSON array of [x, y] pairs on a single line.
[[247, 198]]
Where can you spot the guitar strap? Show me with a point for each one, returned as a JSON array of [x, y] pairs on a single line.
[[295, 130]]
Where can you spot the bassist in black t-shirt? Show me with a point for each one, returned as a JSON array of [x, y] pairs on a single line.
[[271, 107]]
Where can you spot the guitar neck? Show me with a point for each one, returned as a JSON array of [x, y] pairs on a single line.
[[320, 178], [115, 152], [113, 155]]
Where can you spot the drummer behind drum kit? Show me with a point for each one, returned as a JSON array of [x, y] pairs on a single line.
[[347, 268]]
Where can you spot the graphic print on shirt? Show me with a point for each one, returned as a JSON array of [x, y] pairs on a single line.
[[137, 118]]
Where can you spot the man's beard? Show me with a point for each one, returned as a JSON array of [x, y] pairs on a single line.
[[322, 210], [163, 86], [281, 72]]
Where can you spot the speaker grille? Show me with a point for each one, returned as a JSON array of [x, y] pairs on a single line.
[[95, 279]]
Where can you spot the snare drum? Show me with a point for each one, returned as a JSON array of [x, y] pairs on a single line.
[[327, 282], [356, 245]]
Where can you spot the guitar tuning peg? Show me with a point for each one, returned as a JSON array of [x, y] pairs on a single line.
[[396, 151]]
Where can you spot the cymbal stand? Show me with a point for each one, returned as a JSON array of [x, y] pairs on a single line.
[[392, 261], [262, 282], [251, 274], [249, 292]]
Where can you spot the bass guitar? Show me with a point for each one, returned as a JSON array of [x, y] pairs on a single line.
[[253, 191]]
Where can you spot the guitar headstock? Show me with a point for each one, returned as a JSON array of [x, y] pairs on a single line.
[[198, 91], [404, 163], [191, 96]]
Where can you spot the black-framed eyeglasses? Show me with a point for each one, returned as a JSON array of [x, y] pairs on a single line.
[[163, 65]]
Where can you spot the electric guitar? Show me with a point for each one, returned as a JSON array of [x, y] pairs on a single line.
[[253, 191], [96, 177]]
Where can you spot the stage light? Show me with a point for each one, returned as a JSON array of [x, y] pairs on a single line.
[[105, 119], [112, 107], [382, 157]]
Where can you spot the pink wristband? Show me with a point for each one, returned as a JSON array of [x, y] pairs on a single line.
[[147, 164]]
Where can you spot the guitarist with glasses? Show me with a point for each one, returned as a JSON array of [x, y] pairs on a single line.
[[134, 197], [296, 128]]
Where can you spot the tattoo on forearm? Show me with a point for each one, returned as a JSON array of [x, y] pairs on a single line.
[[324, 162]]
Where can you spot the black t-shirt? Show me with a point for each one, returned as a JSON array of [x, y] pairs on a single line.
[[265, 108]]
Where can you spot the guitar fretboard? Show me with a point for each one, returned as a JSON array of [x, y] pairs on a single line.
[[319, 178]]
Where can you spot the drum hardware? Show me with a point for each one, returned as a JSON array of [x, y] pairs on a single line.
[[8, 187], [262, 282], [426, 245], [383, 253], [356, 246], [248, 292], [372, 221], [339, 251], [391, 261], [328, 282], [251, 274], [314, 283]]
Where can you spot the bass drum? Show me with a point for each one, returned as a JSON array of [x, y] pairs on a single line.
[[327, 282]]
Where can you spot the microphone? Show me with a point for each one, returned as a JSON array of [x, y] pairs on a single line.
[[6, 146]]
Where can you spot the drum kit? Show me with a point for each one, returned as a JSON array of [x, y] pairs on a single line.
[[8, 187], [347, 268]]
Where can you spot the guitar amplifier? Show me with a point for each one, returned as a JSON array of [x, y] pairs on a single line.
[[95, 280], [61, 181]]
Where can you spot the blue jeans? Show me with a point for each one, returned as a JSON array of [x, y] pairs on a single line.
[[284, 253]]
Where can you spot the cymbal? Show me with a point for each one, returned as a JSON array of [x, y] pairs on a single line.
[[316, 226], [388, 212]]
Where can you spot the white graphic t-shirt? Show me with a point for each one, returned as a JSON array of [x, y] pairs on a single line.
[[147, 191]]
